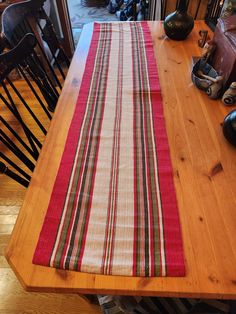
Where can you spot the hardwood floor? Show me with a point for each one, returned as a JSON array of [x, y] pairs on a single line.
[[13, 298]]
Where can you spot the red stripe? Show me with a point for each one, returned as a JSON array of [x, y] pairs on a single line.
[[48, 233], [74, 210], [67, 242], [173, 239], [150, 209], [97, 28]]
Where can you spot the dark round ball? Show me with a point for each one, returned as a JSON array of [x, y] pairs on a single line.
[[229, 127]]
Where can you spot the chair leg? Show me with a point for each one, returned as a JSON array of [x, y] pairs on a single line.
[[4, 170]]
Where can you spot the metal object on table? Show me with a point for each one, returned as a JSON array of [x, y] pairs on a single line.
[[207, 79], [203, 34], [229, 97]]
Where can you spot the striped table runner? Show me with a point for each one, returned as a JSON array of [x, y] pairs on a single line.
[[113, 208]]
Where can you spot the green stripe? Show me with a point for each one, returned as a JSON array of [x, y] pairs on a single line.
[[141, 60], [74, 187], [137, 171], [100, 102], [151, 161], [79, 165]]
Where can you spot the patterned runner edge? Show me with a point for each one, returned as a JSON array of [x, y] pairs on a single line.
[[162, 253]]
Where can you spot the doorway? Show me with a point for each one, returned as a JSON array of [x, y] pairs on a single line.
[[82, 12]]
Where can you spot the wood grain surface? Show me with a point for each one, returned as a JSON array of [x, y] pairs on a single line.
[[205, 180]]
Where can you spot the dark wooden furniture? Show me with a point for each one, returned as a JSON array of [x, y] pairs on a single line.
[[19, 147], [66, 41], [4, 4], [29, 16]]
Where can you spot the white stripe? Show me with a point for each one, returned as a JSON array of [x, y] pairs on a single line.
[[122, 262], [94, 246]]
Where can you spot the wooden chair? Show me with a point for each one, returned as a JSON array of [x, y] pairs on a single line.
[[29, 17], [19, 146], [36, 53]]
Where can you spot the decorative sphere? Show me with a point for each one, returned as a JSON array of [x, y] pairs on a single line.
[[229, 127], [178, 25]]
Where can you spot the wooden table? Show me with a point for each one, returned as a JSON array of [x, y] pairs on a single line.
[[205, 180]]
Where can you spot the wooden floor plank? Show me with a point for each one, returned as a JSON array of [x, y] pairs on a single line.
[[6, 229], [3, 262], [4, 238], [9, 209], [8, 219], [14, 300]]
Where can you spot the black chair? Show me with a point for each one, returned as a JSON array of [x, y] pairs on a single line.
[[29, 17], [19, 146], [35, 52]]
